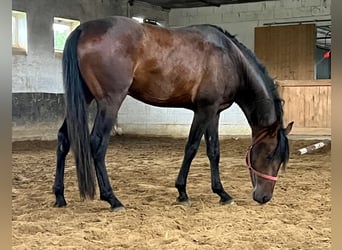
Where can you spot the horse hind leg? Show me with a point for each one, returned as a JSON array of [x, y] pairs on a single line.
[[99, 138], [62, 151]]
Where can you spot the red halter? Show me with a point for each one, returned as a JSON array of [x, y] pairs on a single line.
[[248, 160]]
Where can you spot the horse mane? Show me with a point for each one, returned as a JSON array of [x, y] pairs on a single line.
[[282, 149]]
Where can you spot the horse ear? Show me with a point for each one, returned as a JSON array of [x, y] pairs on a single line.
[[288, 128]]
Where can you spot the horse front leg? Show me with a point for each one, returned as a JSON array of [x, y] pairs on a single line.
[[62, 151], [197, 129], [213, 153]]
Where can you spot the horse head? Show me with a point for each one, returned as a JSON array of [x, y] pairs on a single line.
[[268, 151]]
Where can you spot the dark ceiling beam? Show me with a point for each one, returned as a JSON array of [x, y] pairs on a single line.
[[210, 3], [174, 4]]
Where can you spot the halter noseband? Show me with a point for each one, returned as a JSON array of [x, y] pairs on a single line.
[[249, 163]]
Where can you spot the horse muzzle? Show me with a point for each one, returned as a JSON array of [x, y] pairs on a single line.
[[261, 198]]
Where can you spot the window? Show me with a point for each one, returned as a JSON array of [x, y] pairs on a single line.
[[19, 32], [61, 29]]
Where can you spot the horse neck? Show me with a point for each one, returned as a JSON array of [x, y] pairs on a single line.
[[256, 99], [257, 102]]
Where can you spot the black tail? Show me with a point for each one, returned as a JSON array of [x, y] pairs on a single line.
[[77, 117]]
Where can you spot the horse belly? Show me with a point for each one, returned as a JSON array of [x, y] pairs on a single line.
[[162, 93]]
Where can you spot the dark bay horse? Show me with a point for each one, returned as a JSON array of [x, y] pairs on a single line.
[[201, 67]]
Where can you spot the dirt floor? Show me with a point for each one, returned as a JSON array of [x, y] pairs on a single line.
[[142, 172]]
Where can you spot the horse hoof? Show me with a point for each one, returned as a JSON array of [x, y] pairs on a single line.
[[228, 202], [58, 205], [118, 209], [186, 203]]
